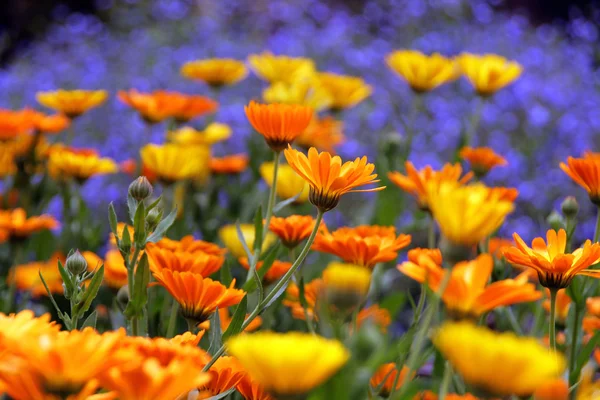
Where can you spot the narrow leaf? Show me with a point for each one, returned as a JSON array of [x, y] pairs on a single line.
[[586, 351], [301, 296], [92, 290], [242, 240], [162, 227], [215, 333], [225, 274], [139, 226], [271, 256], [259, 286], [112, 219], [132, 206], [235, 326], [125, 242], [60, 314], [140, 284], [67, 280], [154, 203], [90, 321], [277, 295], [282, 204], [258, 231]]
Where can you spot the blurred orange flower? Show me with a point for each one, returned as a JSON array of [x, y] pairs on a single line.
[[482, 159], [189, 244], [115, 272], [586, 173], [51, 123], [72, 103], [26, 276], [16, 123], [14, 224], [323, 133], [197, 262], [229, 165], [188, 338], [312, 292], [276, 271], [497, 246], [293, 229], [376, 315], [563, 303], [215, 72], [225, 374], [383, 379]]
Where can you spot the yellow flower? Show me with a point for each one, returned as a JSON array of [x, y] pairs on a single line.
[[64, 163], [229, 237], [171, 162], [72, 103], [295, 364], [489, 360], [489, 73], [289, 183], [214, 133], [346, 285], [588, 389], [305, 93], [422, 72], [345, 91], [467, 214], [215, 72], [286, 69]]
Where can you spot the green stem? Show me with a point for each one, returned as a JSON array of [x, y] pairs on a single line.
[[552, 333], [597, 232], [172, 319], [475, 119], [70, 133], [410, 126], [573, 354], [192, 328], [445, 381], [272, 194], [134, 326], [431, 233]]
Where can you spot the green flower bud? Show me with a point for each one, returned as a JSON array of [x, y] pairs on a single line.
[[153, 218], [556, 221], [140, 189], [76, 263], [570, 207]]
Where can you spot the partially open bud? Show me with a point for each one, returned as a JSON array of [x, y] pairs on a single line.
[[153, 218], [556, 221], [346, 285], [140, 189], [76, 263], [570, 207]]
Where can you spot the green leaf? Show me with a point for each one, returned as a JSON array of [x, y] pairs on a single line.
[[225, 274], [270, 257], [125, 245], [92, 290], [112, 219], [242, 240], [301, 296], [154, 203], [90, 321], [282, 204], [235, 326], [132, 206], [162, 227], [60, 314], [276, 296], [586, 351], [139, 294], [67, 281], [259, 286], [139, 226], [215, 333], [258, 231]]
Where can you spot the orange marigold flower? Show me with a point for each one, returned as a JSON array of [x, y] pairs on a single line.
[[590, 325], [312, 292], [252, 390], [279, 124], [383, 379], [482, 159], [593, 306], [225, 374], [328, 178], [364, 245], [64, 163], [563, 303], [229, 165], [197, 262], [586, 173], [115, 272], [188, 338], [345, 91], [415, 182], [489, 73], [215, 72], [14, 224], [555, 268], [189, 244], [422, 72], [72, 103], [24, 324], [276, 271], [293, 229], [434, 254], [497, 245], [429, 395], [16, 123], [285, 69], [323, 133], [8, 167], [51, 123], [556, 389], [26, 277], [376, 315]]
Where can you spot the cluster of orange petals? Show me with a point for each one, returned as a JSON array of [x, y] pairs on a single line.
[[383, 379], [585, 172], [362, 245], [276, 270], [115, 272], [312, 292], [198, 262], [323, 133], [26, 277], [375, 315], [252, 390], [15, 123], [14, 224], [482, 159], [293, 229], [226, 373], [229, 165]]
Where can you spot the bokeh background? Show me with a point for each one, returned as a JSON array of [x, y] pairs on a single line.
[[551, 112]]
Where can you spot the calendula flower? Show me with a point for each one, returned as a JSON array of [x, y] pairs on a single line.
[[293, 229], [312, 293], [215, 72], [296, 363], [51, 123], [328, 178], [468, 294], [171, 163], [198, 297], [190, 245], [422, 72], [229, 236], [24, 324], [197, 262], [593, 306], [563, 303], [279, 124], [482, 159], [346, 285], [188, 338], [225, 374], [323, 133], [16, 123], [586, 173], [72, 103], [345, 91], [14, 224], [383, 379], [275, 272], [7, 162], [556, 268], [26, 277], [307, 93], [252, 390], [556, 389], [488, 360], [66, 164], [364, 245], [429, 395], [488, 73], [467, 214], [497, 245], [188, 136], [115, 272], [289, 183], [272, 68], [415, 182], [229, 165]]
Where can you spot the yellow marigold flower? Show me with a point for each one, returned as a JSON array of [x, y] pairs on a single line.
[[171, 162], [16, 123], [64, 164], [307, 93], [498, 356], [72, 103], [7, 162], [26, 277], [328, 178], [482, 159], [468, 294], [285, 69], [196, 262], [422, 72], [556, 389], [556, 268], [588, 389], [489, 73], [188, 338], [229, 236], [345, 91], [312, 293], [563, 303], [214, 133], [364, 245], [586, 173], [375, 315], [279, 124], [190, 245], [14, 224], [252, 390], [293, 229], [215, 72], [24, 324], [289, 183], [276, 271], [346, 285], [415, 182], [296, 363], [229, 165], [323, 133], [467, 214], [225, 374], [383, 379]]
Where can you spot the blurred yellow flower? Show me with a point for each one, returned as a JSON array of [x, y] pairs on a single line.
[[306, 93], [588, 389], [422, 72], [24, 323], [215, 72], [272, 68], [171, 162], [295, 364], [72, 103], [345, 91], [229, 236], [323, 133], [64, 163], [289, 183], [346, 285], [214, 133], [488, 360], [489, 73]]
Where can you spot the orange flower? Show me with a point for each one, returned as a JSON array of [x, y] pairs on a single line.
[[429, 395], [323, 133], [496, 246], [293, 229], [115, 272], [26, 277], [590, 325], [252, 390], [362, 245], [593, 306], [231, 165], [24, 324], [277, 270], [415, 182], [556, 389], [375, 315], [188, 338], [215, 72], [14, 224], [482, 159], [225, 319], [468, 294], [190, 245], [586, 173], [383, 379], [15, 123], [563, 303], [225, 374], [72, 103], [183, 261], [279, 124], [51, 123], [312, 292], [328, 178], [555, 268], [198, 297]]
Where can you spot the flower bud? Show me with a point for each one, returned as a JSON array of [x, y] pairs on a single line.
[[570, 207], [76, 263], [123, 297], [140, 189], [556, 221], [346, 285], [153, 218]]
